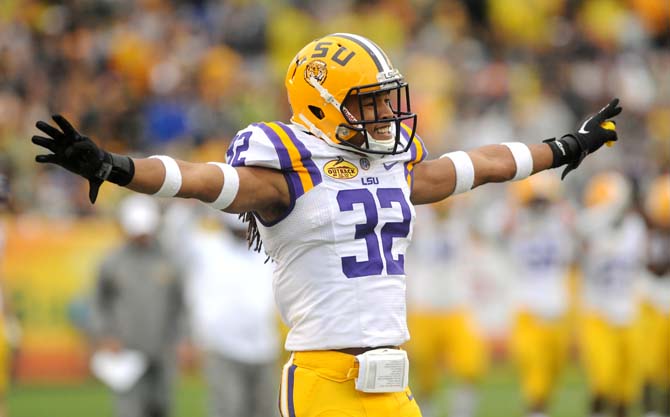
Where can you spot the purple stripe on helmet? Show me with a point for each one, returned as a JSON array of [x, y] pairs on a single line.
[[378, 64]]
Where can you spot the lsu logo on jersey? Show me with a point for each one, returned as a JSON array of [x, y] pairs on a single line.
[[340, 169]]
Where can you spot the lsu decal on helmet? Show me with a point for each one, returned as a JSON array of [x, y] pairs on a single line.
[[331, 69], [657, 201]]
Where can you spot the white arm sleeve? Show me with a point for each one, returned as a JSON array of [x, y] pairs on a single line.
[[231, 185], [465, 171]]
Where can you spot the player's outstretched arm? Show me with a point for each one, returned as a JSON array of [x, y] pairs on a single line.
[[258, 188], [457, 172], [233, 189]]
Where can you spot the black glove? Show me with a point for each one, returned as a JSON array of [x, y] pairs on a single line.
[[572, 148], [81, 155]]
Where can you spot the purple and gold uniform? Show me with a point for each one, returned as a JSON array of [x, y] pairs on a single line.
[[611, 264], [656, 304], [448, 266], [544, 254], [344, 238], [541, 242]]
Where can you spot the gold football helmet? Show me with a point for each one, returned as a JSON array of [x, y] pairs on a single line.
[[543, 186], [331, 69], [657, 201], [606, 199], [608, 188]]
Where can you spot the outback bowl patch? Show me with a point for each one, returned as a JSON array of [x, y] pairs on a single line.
[[340, 169]]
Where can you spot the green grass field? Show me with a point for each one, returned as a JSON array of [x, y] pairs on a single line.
[[499, 398]]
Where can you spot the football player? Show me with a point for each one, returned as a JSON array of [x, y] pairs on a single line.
[[232, 320], [540, 237], [611, 263], [331, 197], [447, 264], [656, 323]]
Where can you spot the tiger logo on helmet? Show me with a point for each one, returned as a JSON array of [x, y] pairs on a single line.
[[316, 70], [334, 68]]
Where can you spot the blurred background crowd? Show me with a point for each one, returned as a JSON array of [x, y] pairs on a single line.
[[142, 76], [181, 77]]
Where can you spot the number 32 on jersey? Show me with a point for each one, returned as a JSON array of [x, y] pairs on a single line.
[[349, 200]]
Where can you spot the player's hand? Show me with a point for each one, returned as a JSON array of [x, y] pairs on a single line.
[[72, 151], [592, 135], [571, 149], [80, 155]]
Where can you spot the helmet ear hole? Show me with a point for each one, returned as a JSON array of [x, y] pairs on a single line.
[[316, 111]]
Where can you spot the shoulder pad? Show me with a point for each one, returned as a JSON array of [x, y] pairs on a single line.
[[416, 153], [275, 145], [252, 147], [417, 149]]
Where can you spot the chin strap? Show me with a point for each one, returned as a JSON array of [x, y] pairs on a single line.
[[311, 128], [341, 131], [325, 94]]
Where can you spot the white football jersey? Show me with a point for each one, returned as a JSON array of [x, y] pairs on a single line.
[[612, 265], [439, 281], [656, 284], [240, 323], [339, 250], [228, 288], [453, 269], [542, 249]]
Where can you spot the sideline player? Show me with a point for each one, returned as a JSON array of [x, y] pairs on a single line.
[[331, 197], [233, 321], [138, 305], [449, 266], [541, 239], [656, 323], [611, 262]]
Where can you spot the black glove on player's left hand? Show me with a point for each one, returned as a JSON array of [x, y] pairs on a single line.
[[572, 148]]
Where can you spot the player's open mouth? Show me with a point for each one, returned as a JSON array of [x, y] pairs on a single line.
[[383, 131]]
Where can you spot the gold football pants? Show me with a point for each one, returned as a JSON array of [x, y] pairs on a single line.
[[445, 342], [321, 384], [611, 357], [539, 348]]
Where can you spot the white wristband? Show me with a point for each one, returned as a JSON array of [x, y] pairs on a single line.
[[465, 171], [172, 180], [231, 184], [522, 158]]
